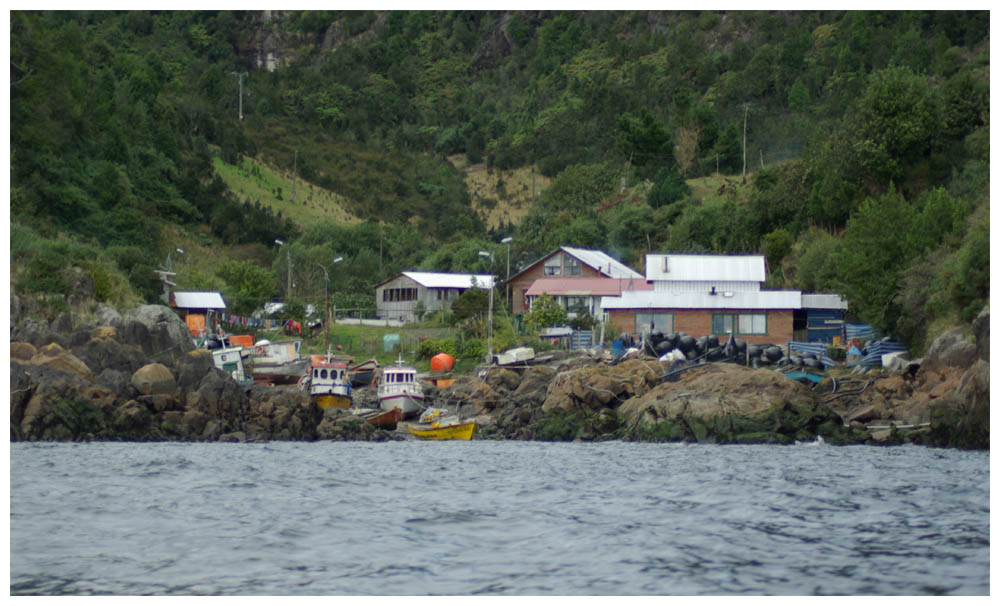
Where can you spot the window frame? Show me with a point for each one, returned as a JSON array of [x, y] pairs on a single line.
[[652, 316]]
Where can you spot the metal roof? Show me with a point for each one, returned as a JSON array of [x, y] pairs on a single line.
[[602, 262], [445, 280], [593, 287], [198, 300], [764, 299], [733, 268], [823, 301]]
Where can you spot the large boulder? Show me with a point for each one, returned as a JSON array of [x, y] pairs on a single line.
[[54, 356], [154, 378], [593, 386], [51, 404], [102, 351], [223, 401], [19, 350], [158, 331], [281, 413]]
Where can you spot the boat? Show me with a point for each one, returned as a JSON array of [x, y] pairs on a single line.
[[443, 431], [386, 419], [327, 383], [278, 363], [230, 360], [398, 387], [362, 374]]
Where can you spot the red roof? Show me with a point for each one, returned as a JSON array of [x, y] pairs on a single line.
[[587, 287]]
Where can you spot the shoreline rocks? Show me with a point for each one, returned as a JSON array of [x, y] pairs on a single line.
[[136, 376]]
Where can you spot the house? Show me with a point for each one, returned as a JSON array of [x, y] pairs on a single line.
[[566, 262], [411, 293], [574, 293], [706, 294], [196, 308]]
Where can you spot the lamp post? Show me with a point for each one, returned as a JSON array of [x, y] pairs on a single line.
[[506, 289], [326, 298], [288, 257], [489, 326]]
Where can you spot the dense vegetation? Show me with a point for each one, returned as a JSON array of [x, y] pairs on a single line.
[[853, 147]]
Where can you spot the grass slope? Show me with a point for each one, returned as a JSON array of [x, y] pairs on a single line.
[[255, 181], [498, 196]]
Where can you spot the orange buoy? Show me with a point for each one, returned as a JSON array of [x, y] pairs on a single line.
[[442, 362]]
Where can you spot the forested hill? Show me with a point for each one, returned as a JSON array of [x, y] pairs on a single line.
[[851, 148]]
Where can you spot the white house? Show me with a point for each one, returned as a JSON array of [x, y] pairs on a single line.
[[401, 297]]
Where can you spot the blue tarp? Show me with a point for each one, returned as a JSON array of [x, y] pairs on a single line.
[[861, 332], [877, 349], [819, 349]]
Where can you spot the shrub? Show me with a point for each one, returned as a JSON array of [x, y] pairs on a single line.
[[429, 348]]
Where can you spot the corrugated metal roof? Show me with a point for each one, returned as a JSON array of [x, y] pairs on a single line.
[[764, 299], [599, 259], [742, 268], [823, 301], [445, 280], [198, 300], [587, 286]]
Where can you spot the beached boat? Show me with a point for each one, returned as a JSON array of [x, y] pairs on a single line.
[[398, 388], [363, 374], [278, 362], [230, 360], [386, 419], [441, 431], [327, 383]]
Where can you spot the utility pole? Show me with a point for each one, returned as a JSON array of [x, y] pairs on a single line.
[[746, 111], [240, 76], [295, 170]]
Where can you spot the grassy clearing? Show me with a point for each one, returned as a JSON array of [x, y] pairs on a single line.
[[254, 181], [500, 197], [717, 189]]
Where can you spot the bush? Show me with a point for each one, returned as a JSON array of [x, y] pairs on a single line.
[[473, 349], [429, 348]]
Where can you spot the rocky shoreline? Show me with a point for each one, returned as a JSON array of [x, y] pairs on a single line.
[[137, 376]]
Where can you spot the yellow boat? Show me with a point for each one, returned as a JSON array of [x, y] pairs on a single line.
[[436, 431]]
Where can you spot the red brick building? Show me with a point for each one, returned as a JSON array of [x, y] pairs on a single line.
[[566, 262], [703, 295]]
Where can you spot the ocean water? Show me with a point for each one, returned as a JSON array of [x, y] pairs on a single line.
[[496, 518]]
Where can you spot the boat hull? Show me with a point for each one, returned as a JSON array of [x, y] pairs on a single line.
[[408, 404], [460, 431], [333, 401]]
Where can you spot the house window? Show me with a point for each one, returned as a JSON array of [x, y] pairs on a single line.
[[572, 266], [723, 324], [753, 324], [740, 324], [572, 303], [552, 267], [646, 322]]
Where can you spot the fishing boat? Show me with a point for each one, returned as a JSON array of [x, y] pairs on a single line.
[[442, 431], [436, 424], [230, 360], [327, 383], [385, 419], [362, 374], [279, 362], [398, 388]]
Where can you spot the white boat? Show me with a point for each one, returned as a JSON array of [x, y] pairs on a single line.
[[230, 360], [398, 388], [278, 362], [328, 383]]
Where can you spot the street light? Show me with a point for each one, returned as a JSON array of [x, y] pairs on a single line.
[[489, 326], [506, 289], [326, 299], [288, 257]]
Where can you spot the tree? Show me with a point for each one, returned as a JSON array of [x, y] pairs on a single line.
[[669, 187], [877, 246], [248, 286], [545, 312], [645, 142]]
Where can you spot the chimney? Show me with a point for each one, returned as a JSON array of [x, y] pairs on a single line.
[[666, 269], [713, 291]]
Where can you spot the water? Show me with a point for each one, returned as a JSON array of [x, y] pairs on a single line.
[[496, 518]]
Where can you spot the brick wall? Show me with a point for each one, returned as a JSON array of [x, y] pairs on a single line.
[[698, 322]]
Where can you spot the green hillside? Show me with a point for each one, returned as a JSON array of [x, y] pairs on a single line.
[[849, 147]]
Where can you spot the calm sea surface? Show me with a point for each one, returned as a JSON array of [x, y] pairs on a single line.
[[496, 518]]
